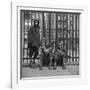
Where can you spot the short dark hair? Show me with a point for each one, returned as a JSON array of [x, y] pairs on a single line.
[[36, 21]]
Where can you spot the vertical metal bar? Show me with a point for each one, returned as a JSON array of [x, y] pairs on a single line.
[[55, 29], [72, 38], [76, 36], [56, 33], [52, 29], [30, 21], [27, 35], [69, 38], [43, 24], [38, 15], [49, 27], [40, 31], [24, 39], [70, 43], [35, 14], [66, 36], [31, 18], [63, 29], [20, 44]]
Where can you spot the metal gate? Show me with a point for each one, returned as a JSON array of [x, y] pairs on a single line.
[[54, 26]]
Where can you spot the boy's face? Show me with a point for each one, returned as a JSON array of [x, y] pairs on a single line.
[[47, 44], [43, 44], [36, 23]]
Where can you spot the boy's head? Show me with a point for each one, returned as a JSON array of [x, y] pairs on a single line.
[[47, 44], [36, 23]]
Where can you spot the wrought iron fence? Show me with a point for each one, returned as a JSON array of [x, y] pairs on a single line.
[[54, 26]]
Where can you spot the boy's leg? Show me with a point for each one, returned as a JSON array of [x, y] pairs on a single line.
[[50, 62], [63, 65], [35, 50], [40, 66], [55, 62], [30, 55], [31, 52]]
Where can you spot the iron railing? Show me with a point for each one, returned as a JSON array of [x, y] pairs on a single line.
[[54, 26]]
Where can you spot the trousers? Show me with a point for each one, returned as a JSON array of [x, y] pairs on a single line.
[[33, 51]]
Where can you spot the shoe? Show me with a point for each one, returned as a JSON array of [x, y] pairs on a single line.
[[54, 68]]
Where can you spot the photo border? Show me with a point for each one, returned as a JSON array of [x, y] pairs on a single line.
[[15, 43]]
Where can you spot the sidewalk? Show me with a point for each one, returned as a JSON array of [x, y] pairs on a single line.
[[70, 70]]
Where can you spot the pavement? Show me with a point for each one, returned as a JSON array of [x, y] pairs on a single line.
[[35, 72]]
